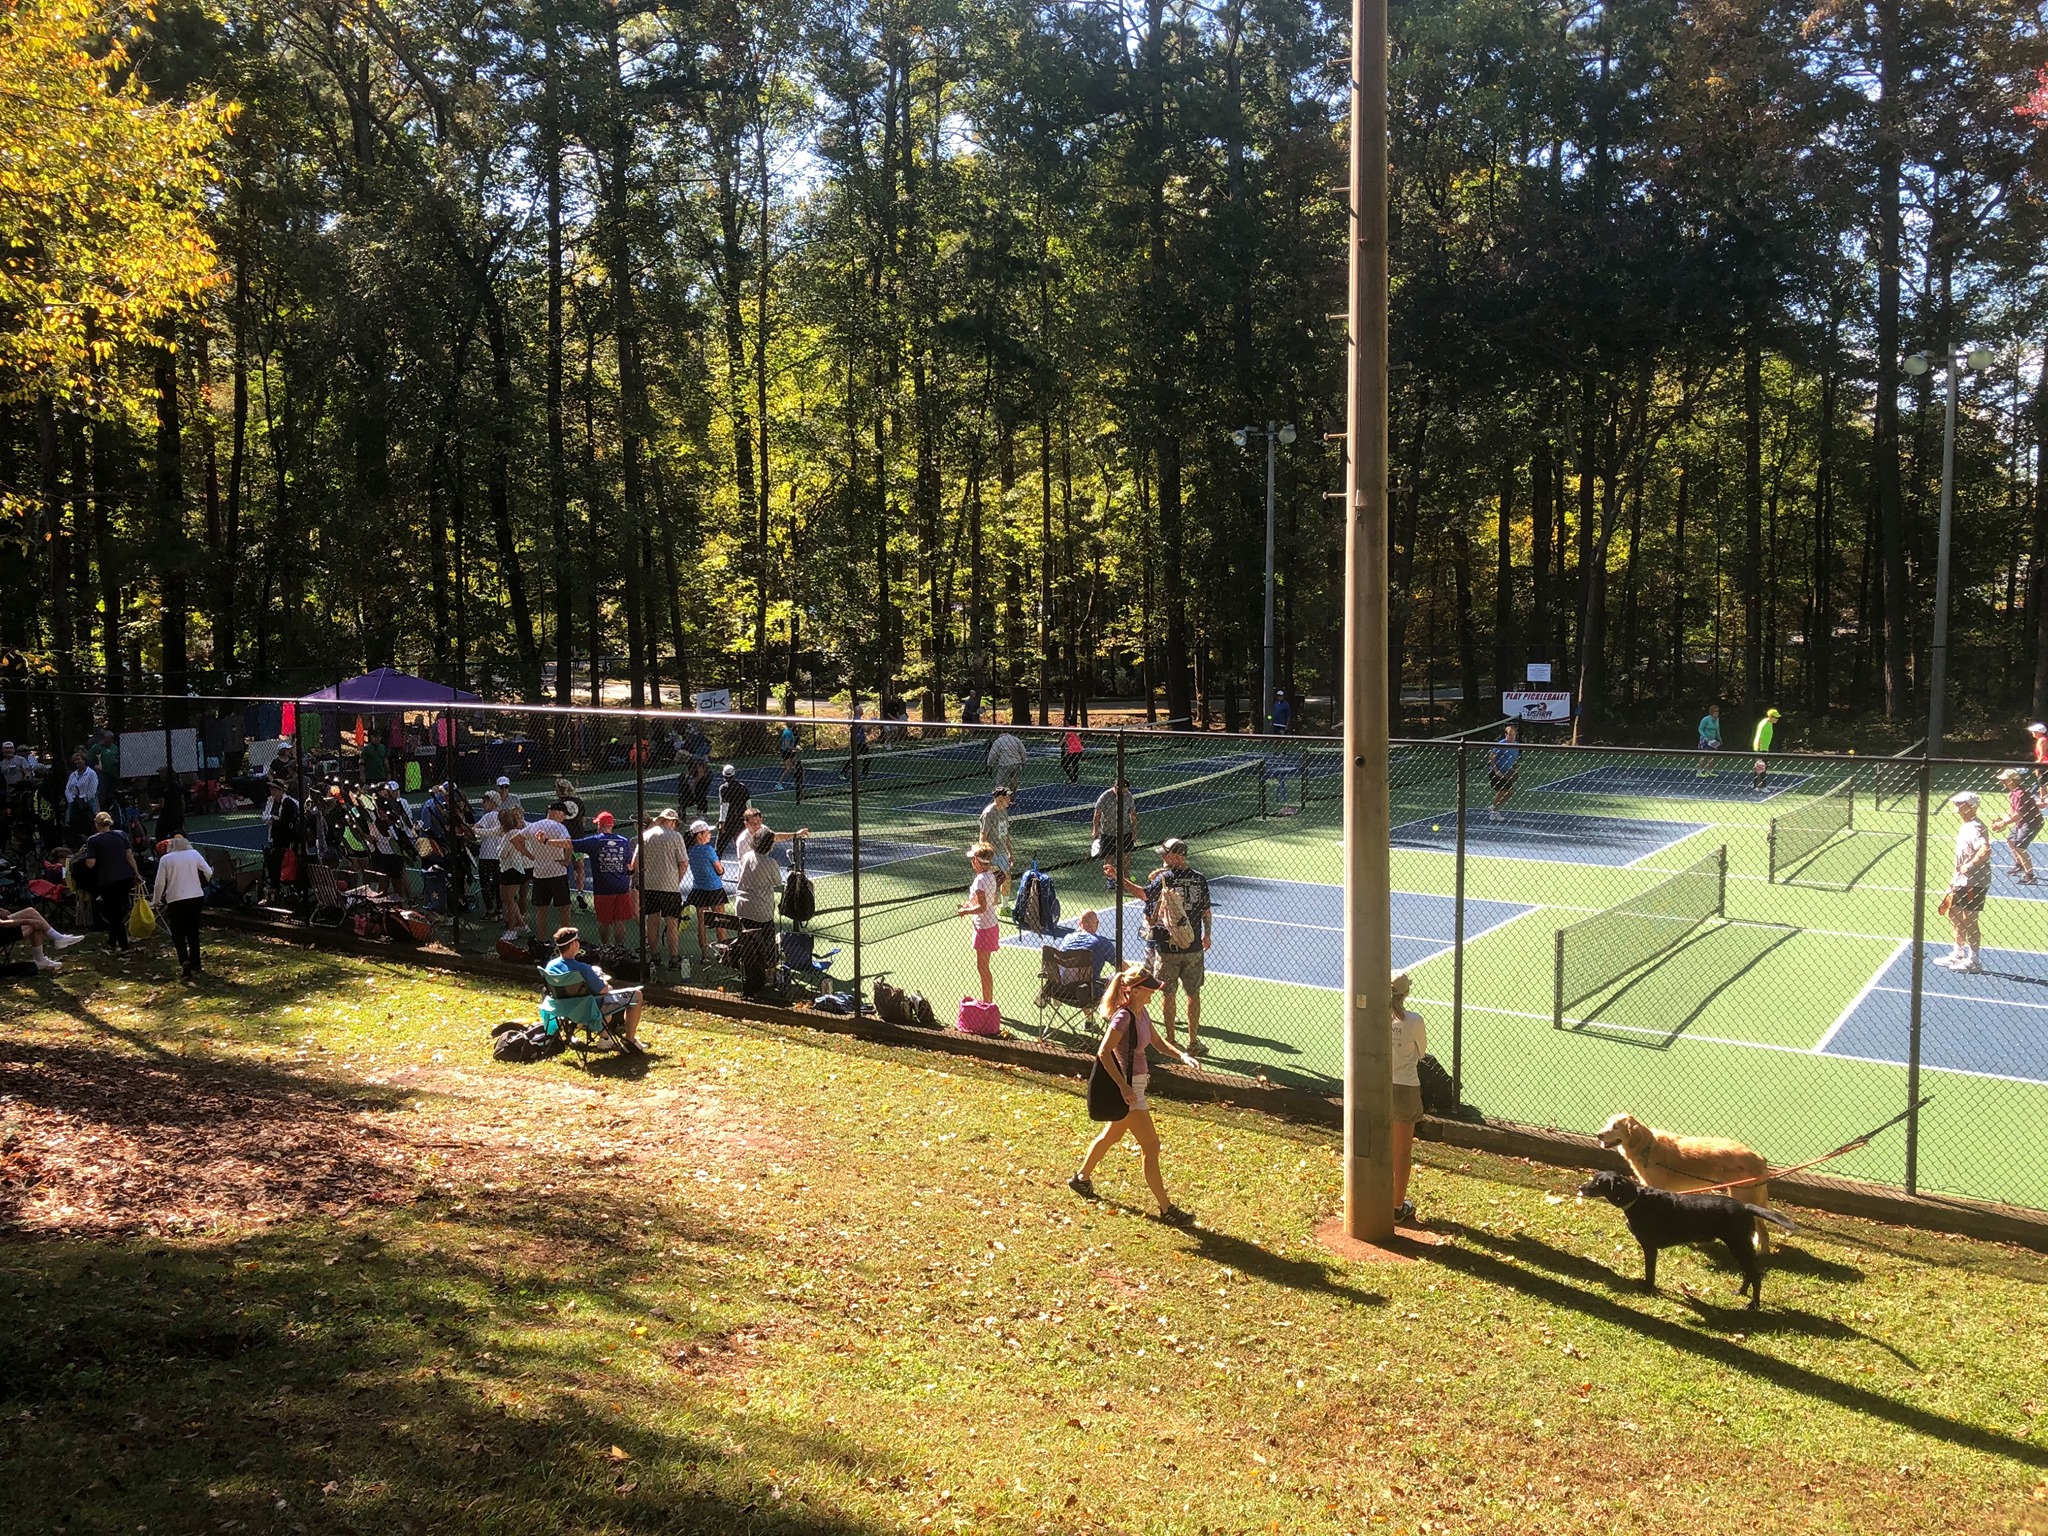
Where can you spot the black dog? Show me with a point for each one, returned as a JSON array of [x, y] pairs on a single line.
[[1660, 1219]]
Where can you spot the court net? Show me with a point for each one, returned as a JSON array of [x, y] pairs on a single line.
[[915, 875], [1596, 952], [1799, 833], [887, 769]]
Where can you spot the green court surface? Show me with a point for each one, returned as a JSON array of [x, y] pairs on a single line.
[[1782, 1021]]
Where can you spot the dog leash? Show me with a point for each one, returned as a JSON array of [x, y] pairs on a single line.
[[1826, 1157]]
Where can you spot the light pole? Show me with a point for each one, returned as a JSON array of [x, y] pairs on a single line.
[[1953, 363], [1274, 433]]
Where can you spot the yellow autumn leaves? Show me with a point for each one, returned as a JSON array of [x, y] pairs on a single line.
[[101, 192]]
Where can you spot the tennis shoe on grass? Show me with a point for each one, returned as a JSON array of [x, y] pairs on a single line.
[[1085, 1188], [65, 940]]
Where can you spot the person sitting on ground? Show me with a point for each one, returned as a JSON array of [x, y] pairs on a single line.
[[1089, 939], [618, 1009], [30, 924]]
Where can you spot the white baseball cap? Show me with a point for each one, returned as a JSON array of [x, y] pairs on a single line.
[[503, 782], [1964, 797], [2038, 728]]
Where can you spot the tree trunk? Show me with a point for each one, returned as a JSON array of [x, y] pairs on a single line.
[[1885, 439], [1468, 630], [558, 465], [1755, 687], [1540, 483], [172, 558], [633, 413], [1504, 669]]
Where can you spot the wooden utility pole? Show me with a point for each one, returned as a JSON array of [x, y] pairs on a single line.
[[1368, 915]]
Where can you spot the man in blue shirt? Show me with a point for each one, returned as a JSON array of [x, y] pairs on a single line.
[[605, 868], [619, 1009], [1504, 762], [1283, 712], [1089, 939], [1710, 734]]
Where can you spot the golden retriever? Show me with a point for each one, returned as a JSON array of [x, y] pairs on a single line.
[[1683, 1163]]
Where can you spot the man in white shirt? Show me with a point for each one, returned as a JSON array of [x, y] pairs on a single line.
[[547, 844], [1006, 761], [1969, 885], [81, 796]]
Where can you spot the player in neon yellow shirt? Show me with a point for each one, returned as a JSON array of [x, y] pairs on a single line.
[[1766, 730]]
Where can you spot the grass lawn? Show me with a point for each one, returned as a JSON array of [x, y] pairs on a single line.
[[290, 1253]]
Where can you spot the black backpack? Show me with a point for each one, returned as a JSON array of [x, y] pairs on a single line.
[[906, 1010], [1439, 1094], [799, 896], [516, 1042]]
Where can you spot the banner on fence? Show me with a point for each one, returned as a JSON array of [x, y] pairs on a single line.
[[712, 701], [1529, 705], [142, 752]]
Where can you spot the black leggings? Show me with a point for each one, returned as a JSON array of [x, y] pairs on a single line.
[[1070, 765], [110, 904], [182, 918]]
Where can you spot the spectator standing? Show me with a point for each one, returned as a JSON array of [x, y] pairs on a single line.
[[170, 804], [281, 828], [1503, 767], [490, 842], [1760, 744], [81, 796], [970, 709], [1006, 760], [1179, 923], [1411, 1039], [507, 798], [1071, 748], [657, 868], [16, 768], [572, 813], [109, 860], [980, 910], [609, 861], [1709, 735], [515, 871], [707, 883], [995, 832], [374, 761], [733, 797], [1283, 712], [1115, 821], [1124, 1054], [757, 885], [1968, 885], [546, 842], [180, 897], [2021, 823]]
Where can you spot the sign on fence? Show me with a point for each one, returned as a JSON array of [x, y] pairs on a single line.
[[1527, 705], [712, 701], [1539, 672], [142, 752]]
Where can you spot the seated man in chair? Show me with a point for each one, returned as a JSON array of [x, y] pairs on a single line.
[[1088, 939], [600, 1005]]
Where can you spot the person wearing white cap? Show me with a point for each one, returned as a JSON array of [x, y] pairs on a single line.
[[506, 797], [657, 870], [2021, 822], [733, 796], [1969, 885]]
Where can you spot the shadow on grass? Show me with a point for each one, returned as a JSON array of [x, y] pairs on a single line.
[[1562, 1279], [475, 1371]]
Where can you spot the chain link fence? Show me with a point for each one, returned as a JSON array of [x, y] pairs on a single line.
[[1713, 943]]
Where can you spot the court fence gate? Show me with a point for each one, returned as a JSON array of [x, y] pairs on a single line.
[[1777, 950]]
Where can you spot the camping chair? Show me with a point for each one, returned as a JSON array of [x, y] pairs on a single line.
[[1067, 991], [328, 901], [801, 961], [569, 1007]]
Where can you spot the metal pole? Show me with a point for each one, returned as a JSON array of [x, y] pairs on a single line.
[[639, 832], [853, 844], [1937, 657], [1458, 945], [1368, 947], [1116, 894], [1266, 695], [1925, 774]]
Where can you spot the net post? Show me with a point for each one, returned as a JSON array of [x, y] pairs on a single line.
[[1771, 853], [1921, 773], [1458, 944], [1557, 984], [639, 827], [853, 850], [1721, 889], [1116, 890], [453, 851]]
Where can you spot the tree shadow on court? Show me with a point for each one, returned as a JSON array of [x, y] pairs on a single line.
[[1653, 1010], [1561, 1279], [1839, 865]]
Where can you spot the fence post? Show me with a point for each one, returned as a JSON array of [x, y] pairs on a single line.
[[1919, 963], [1458, 946], [639, 831], [1116, 890], [853, 845]]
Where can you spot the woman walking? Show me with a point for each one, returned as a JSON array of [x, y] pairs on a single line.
[[980, 907], [1411, 1039], [110, 864], [180, 895], [1122, 1058]]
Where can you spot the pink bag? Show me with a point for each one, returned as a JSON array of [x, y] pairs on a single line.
[[978, 1018]]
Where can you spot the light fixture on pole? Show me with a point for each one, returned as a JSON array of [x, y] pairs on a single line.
[[1275, 432], [1976, 360]]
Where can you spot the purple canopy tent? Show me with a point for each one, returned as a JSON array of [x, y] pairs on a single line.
[[385, 692]]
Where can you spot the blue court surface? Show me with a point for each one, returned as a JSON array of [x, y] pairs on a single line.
[[1293, 931], [1549, 836], [1650, 782], [1993, 1025]]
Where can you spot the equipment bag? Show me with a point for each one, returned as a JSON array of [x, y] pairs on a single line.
[[516, 1041], [1037, 908], [141, 919], [799, 896], [907, 1010], [977, 1018]]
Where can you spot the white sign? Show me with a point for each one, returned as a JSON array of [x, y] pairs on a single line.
[[712, 701], [142, 752], [1537, 706], [1539, 671]]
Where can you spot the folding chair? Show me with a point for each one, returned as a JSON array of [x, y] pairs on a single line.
[[801, 960], [1067, 991], [575, 1015], [329, 904]]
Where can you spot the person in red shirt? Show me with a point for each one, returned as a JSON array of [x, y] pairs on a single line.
[[2039, 732]]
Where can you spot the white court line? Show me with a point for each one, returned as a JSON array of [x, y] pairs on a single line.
[[1856, 1002], [1958, 997]]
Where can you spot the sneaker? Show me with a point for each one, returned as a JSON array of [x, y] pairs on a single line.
[[64, 940], [1198, 1048], [632, 1047], [1971, 965], [1405, 1212], [45, 963], [1085, 1188], [1174, 1216]]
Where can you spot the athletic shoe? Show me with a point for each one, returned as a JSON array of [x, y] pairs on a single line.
[[64, 940], [1083, 1187], [1174, 1216], [1971, 966], [1947, 962], [1405, 1211], [1197, 1048], [45, 963]]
